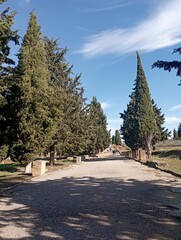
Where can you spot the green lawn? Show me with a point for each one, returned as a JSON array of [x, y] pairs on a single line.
[[7, 169], [168, 158]]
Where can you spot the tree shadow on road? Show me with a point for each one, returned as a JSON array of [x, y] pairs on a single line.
[[86, 208]]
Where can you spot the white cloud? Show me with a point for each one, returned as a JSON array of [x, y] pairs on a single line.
[[27, 1], [172, 120], [108, 8], [176, 107], [161, 29], [105, 105]]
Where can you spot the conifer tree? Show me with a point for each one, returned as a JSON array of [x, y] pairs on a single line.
[[139, 122], [144, 115], [179, 131], [175, 134], [56, 64], [69, 104], [34, 122], [128, 127], [7, 35], [99, 135], [168, 66], [113, 139], [117, 137], [162, 133]]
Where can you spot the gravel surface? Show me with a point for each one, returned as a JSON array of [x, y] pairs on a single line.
[[101, 199]]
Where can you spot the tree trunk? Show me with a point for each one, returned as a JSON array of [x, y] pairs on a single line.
[[148, 145], [52, 158]]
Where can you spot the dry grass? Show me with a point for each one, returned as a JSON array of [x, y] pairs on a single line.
[[168, 158]]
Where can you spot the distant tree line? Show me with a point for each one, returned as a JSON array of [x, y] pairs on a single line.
[[177, 133], [42, 103]]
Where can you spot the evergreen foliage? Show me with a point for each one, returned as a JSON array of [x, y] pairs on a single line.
[[139, 123], [34, 121], [175, 134], [168, 66], [113, 139], [99, 135], [128, 127], [117, 137], [179, 131], [70, 114], [162, 133], [42, 104], [7, 35]]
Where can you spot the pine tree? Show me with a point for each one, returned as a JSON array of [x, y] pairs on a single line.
[[7, 35], [179, 131], [168, 66], [99, 135], [117, 137], [34, 122]]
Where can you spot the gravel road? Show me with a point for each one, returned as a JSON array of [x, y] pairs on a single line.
[[101, 199]]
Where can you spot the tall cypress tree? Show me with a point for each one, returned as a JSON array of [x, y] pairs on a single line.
[[144, 115], [7, 35], [139, 121], [179, 131], [34, 122], [117, 137], [175, 134], [113, 139]]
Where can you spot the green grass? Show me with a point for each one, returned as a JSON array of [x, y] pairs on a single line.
[[7, 169], [168, 158], [171, 153]]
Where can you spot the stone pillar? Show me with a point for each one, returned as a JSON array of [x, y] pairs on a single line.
[[78, 160], [133, 153], [137, 154], [39, 168], [87, 157], [129, 154], [142, 154], [28, 168]]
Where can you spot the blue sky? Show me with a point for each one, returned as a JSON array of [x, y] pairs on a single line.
[[103, 36]]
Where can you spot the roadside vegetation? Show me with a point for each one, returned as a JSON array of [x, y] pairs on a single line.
[[8, 169], [42, 103], [168, 155], [142, 121]]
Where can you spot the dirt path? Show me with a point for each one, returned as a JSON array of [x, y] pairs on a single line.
[[110, 198]]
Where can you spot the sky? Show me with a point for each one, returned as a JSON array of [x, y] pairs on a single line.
[[103, 36]]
